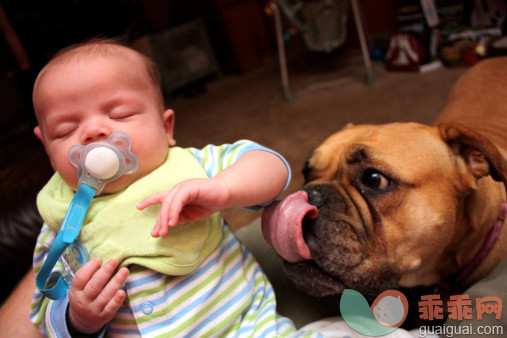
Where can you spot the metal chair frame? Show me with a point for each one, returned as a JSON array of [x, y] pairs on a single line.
[[275, 7]]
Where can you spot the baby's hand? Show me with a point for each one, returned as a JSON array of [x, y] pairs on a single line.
[[190, 200], [93, 301]]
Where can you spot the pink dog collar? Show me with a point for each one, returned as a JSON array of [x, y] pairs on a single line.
[[486, 247]]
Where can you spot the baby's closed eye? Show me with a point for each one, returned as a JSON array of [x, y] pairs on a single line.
[[64, 130], [122, 114]]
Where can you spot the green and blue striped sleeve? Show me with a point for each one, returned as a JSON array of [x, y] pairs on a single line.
[[214, 159]]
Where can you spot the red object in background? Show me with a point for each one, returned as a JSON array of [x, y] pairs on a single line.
[[470, 57], [406, 52]]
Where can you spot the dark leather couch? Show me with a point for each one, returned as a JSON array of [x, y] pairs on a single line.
[[24, 169]]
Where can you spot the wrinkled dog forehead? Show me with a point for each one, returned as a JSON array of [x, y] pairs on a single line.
[[405, 147]]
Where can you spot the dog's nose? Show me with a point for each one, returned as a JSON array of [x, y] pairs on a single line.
[[317, 194]]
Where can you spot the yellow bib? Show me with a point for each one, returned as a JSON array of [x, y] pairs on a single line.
[[115, 228]]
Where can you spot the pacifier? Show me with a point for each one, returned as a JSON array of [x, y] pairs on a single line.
[[97, 164], [102, 162]]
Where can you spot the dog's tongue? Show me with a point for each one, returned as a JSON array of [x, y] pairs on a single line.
[[282, 226]]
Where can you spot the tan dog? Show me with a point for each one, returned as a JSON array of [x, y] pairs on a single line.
[[402, 204]]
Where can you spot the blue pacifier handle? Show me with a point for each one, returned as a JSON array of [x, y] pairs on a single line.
[[67, 234], [92, 176]]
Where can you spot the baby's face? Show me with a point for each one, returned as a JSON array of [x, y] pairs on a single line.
[[85, 101]]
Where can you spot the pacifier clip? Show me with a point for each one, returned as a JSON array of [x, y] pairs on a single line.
[[97, 164]]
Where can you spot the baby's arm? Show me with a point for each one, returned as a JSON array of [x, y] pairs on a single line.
[[94, 298], [256, 177]]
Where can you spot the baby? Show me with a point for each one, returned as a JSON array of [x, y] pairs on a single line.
[[171, 265]]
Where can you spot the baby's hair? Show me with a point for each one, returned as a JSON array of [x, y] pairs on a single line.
[[106, 47]]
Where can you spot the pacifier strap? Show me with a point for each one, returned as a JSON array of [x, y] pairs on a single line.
[[68, 232]]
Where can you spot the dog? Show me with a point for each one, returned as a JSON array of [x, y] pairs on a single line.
[[403, 205]]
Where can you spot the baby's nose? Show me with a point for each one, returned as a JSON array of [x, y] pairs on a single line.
[[95, 134]]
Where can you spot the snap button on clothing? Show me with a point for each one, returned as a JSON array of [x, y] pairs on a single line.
[[147, 308]]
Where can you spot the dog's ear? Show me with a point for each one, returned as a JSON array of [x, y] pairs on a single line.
[[480, 155]]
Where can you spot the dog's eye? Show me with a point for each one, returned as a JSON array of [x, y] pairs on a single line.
[[374, 179]]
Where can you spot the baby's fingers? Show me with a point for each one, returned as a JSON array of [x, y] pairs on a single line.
[[114, 304], [110, 295], [166, 217], [153, 199], [85, 273], [170, 212], [96, 284]]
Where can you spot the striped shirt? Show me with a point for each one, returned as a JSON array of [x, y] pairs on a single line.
[[227, 296]]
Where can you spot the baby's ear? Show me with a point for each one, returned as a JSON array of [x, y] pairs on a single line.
[[168, 120], [38, 134]]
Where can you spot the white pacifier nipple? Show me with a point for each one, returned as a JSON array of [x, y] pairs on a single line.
[[102, 162]]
